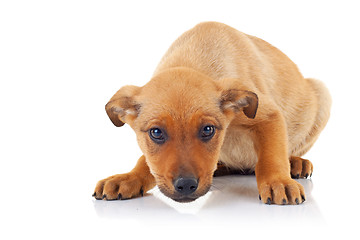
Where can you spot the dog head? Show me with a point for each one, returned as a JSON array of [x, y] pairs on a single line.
[[180, 118]]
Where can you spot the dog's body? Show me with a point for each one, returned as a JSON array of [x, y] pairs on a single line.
[[220, 95]]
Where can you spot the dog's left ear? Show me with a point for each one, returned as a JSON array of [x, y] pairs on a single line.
[[237, 100], [122, 107]]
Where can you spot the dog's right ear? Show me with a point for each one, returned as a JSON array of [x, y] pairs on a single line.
[[122, 107], [237, 100]]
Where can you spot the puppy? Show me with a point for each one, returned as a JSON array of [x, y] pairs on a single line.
[[219, 96]]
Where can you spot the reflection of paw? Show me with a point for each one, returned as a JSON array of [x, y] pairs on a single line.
[[281, 192], [117, 187], [300, 167]]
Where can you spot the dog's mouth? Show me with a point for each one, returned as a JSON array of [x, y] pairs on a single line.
[[184, 198]]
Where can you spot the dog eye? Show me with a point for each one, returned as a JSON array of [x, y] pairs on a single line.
[[207, 132], [157, 135]]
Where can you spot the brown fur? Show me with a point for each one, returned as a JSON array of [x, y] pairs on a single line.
[[266, 115]]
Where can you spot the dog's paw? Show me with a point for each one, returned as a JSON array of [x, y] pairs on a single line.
[[119, 187], [282, 192], [300, 167]]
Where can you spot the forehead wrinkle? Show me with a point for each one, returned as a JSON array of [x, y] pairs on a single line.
[[185, 113]]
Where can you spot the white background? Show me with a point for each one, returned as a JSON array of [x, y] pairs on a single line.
[[61, 61]]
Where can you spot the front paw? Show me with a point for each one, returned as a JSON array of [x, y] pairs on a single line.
[[281, 191], [119, 187]]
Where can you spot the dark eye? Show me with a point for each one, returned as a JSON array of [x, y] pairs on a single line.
[[157, 135], [207, 132]]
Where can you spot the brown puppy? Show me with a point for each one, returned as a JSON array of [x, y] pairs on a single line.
[[219, 95]]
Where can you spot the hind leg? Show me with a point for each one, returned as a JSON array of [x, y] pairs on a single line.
[[300, 167]]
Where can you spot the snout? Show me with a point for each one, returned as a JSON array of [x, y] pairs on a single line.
[[185, 189], [185, 186]]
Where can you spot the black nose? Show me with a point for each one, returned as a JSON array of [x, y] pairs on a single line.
[[185, 186]]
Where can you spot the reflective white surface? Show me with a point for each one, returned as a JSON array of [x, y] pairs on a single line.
[[234, 198]]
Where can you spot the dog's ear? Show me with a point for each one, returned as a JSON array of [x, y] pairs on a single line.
[[237, 100], [122, 107]]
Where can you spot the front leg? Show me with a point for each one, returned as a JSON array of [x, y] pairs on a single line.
[[273, 168], [128, 185]]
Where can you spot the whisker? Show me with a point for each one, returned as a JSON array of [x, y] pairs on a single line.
[[217, 188]]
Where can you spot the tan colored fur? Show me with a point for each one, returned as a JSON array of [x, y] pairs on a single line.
[[264, 111]]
